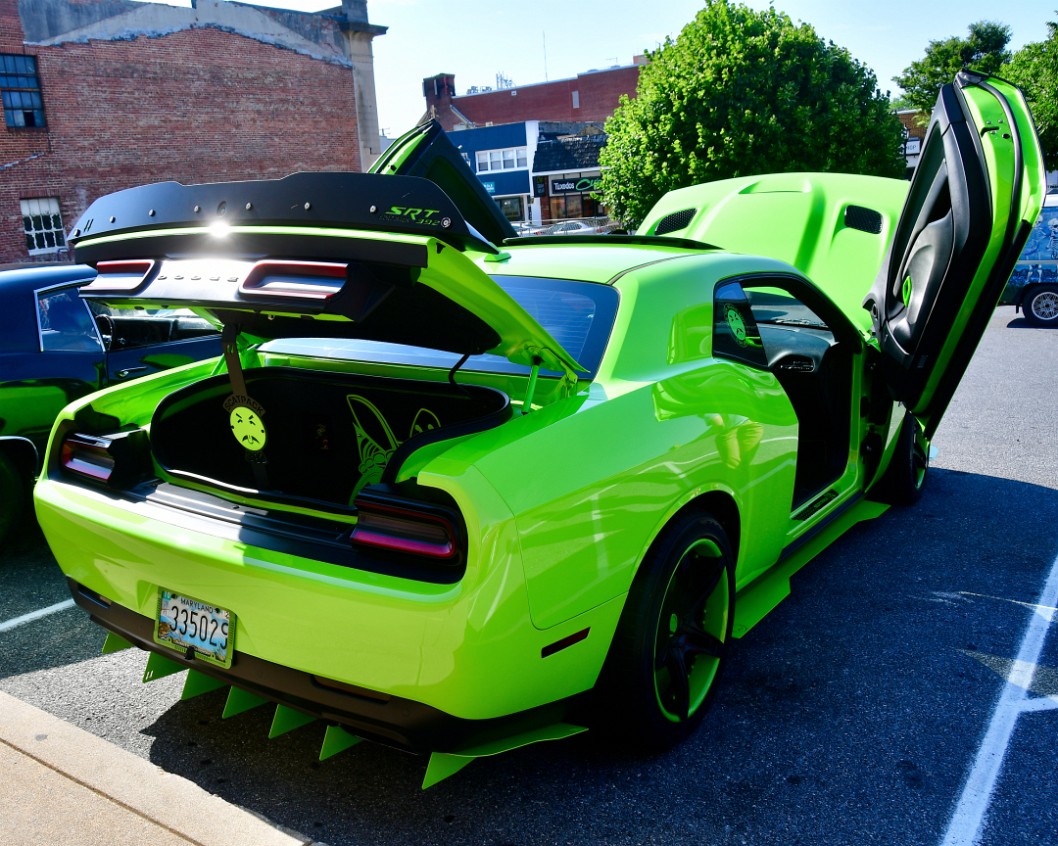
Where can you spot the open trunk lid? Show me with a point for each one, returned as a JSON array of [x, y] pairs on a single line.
[[386, 258]]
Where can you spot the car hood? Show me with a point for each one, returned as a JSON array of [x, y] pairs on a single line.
[[385, 258]]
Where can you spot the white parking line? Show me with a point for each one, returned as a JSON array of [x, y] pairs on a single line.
[[35, 615], [968, 820]]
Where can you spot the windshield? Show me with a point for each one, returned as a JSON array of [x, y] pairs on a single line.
[[579, 315]]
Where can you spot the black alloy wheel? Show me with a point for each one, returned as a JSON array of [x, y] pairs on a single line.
[[673, 639]]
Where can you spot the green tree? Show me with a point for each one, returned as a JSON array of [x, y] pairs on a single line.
[[1035, 69], [985, 50], [741, 92]]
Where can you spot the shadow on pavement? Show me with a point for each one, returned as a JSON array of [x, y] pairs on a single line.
[[31, 581], [847, 715]]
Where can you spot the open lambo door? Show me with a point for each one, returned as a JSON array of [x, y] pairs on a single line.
[[974, 198]]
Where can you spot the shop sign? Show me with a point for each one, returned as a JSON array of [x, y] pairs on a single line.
[[489, 186], [573, 186]]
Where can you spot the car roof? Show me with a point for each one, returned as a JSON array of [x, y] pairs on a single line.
[[18, 317], [34, 276], [592, 259]]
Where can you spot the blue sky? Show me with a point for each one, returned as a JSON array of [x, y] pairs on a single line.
[[554, 39]]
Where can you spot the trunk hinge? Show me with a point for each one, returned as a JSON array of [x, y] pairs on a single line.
[[245, 414], [527, 403], [569, 382]]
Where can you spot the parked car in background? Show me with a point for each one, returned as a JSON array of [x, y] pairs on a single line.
[[1033, 287], [456, 494], [526, 228], [570, 227], [55, 347]]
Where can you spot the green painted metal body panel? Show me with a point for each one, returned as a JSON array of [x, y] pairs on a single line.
[[802, 219]]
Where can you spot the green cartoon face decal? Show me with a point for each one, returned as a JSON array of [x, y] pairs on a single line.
[[736, 324], [247, 427]]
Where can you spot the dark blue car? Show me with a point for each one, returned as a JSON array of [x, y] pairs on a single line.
[[1033, 287], [55, 348]]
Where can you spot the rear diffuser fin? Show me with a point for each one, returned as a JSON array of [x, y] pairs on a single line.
[[240, 701], [336, 740], [114, 643], [158, 666], [198, 683], [287, 719], [445, 764]]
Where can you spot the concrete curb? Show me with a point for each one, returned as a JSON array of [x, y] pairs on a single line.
[[117, 783]]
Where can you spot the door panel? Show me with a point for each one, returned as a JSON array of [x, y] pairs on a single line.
[[974, 196], [125, 364]]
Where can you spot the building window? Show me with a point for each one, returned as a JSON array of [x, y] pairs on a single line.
[[513, 158], [512, 207], [576, 99], [42, 223], [20, 91]]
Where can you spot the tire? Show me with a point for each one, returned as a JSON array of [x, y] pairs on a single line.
[[672, 642], [14, 494], [905, 477], [1040, 305]]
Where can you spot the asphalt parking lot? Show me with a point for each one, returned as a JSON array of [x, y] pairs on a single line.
[[905, 693]]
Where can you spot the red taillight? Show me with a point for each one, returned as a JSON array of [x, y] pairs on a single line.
[[406, 529], [115, 276], [88, 456], [118, 460], [307, 280]]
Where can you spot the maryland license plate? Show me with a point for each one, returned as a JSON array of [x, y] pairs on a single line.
[[184, 623]]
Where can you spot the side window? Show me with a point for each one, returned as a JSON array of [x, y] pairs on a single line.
[[65, 322], [775, 306], [735, 333], [128, 329]]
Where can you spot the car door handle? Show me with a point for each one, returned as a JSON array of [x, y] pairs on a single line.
[[128, 371]]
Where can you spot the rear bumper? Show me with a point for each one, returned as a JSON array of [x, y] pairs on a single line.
[[415, 665], [391, 720]]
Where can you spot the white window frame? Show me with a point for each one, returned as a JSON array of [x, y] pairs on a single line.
[[41, 223], [506, 158]]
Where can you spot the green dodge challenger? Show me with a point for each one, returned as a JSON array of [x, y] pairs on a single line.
[[457, 492]]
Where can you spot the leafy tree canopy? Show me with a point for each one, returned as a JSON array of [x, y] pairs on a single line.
[[741, 92], [1035, 69], [985, 50]]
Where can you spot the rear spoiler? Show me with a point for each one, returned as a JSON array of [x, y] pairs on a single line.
[[428, 151], [174, 219]]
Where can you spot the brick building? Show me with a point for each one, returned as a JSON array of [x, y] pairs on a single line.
[[100, 95], [587, 97], [535, 148]]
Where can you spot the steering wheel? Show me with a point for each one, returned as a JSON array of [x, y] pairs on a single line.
[[105, 325]]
